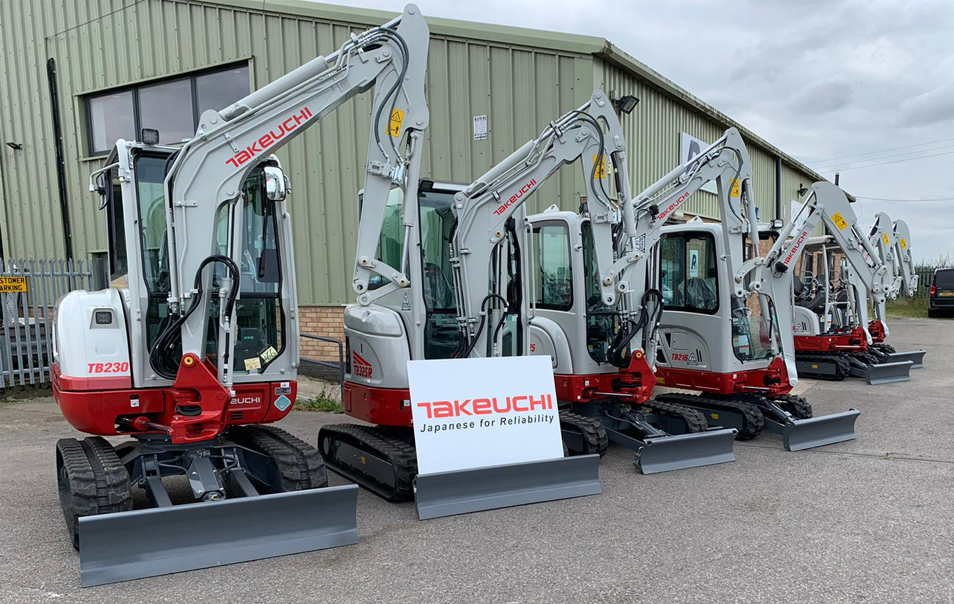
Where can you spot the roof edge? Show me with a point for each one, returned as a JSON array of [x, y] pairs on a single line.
[[519, 36], [507, 34]]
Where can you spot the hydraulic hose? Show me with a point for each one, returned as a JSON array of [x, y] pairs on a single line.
[[163, 356]]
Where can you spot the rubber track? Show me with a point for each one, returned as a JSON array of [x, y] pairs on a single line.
[[798, 406], [299, 464], [397, 452], [752, 419], [98, 481], [886, 348], [839, 358], [592, 430], [695, 420]]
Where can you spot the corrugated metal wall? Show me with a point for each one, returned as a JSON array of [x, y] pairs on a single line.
[[103, 44], [653, 133], [110, 43]]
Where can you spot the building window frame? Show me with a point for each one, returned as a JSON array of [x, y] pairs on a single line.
[[135, 88]]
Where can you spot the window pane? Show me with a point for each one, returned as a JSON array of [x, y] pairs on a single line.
[[111, 118], [701, 273], [391, 243], [553, 284], [168, 108], [441, 333], [601, 320], [689, 273], [150, 174], [219, 90], [118, 263], [673, 270]]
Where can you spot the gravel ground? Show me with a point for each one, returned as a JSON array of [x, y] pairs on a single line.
[[871, 520]]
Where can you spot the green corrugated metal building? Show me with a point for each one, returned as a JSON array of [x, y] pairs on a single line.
[[519, 78]]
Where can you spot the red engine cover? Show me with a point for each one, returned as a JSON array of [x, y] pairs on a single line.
[[109, 406], [771, 381]]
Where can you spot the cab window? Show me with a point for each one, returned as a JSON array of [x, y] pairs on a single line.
[[602, 321], [391, 242], [436, 223], [259, 314], [689, 272], [553, 278]]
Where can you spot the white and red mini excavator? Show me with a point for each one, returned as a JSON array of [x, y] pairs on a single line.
[[198, 353], [450, 275]]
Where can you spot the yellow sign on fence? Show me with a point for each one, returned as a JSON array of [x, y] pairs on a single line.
[[12, 285]]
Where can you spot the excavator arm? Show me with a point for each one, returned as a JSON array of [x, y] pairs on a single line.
[[726, 163], [827, 203], [206, 175], [491, 213], [909, 278]]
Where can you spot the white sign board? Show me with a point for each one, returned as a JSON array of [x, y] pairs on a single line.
[[693, 263], [689, 147], [480, 127], [473, 413], [795, 210]]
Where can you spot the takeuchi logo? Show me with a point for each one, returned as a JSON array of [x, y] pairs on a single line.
[[487, 406], [270, 138]]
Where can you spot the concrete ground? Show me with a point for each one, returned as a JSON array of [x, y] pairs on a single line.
[[870, 520]]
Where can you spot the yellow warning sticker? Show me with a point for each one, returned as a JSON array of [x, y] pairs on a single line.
[[714, 415], [269, 354], [252, 364], [839, 221], [904, 244], [814, 366], [11, 285], [885, 237], [394, 127], [601, 169], [734, 189], [660, 380]]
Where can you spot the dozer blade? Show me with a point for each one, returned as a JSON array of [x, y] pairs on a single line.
[[915, 356], [682, 451], [158, 541], [449, 493], [800, 434], [887, 373]]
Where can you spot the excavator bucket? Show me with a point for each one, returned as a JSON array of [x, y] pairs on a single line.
[[887, 373], [915, 356], [682, 451], [157, 541], [461, 492], [801, 434]]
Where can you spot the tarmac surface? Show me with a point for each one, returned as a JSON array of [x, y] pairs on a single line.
[[870, 520]]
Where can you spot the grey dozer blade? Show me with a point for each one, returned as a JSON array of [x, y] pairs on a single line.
[[157, 541], [449, 493], [683, 451], [800, 434], [915, 356], [884, 373]]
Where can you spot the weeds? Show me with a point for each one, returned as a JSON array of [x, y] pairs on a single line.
[[322, 403]]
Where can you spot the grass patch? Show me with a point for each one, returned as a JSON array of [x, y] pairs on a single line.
[[908, 307], [322, 403]]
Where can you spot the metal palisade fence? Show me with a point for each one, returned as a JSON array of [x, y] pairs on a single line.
[[925, 277], [29, 290]]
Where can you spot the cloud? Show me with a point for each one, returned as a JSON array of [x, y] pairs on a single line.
[[929, 108], [822, 97], [818, 78]]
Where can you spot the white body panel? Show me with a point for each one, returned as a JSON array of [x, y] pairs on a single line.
[[84, 347]]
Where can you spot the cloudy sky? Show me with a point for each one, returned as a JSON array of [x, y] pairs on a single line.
[[864, 87]]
